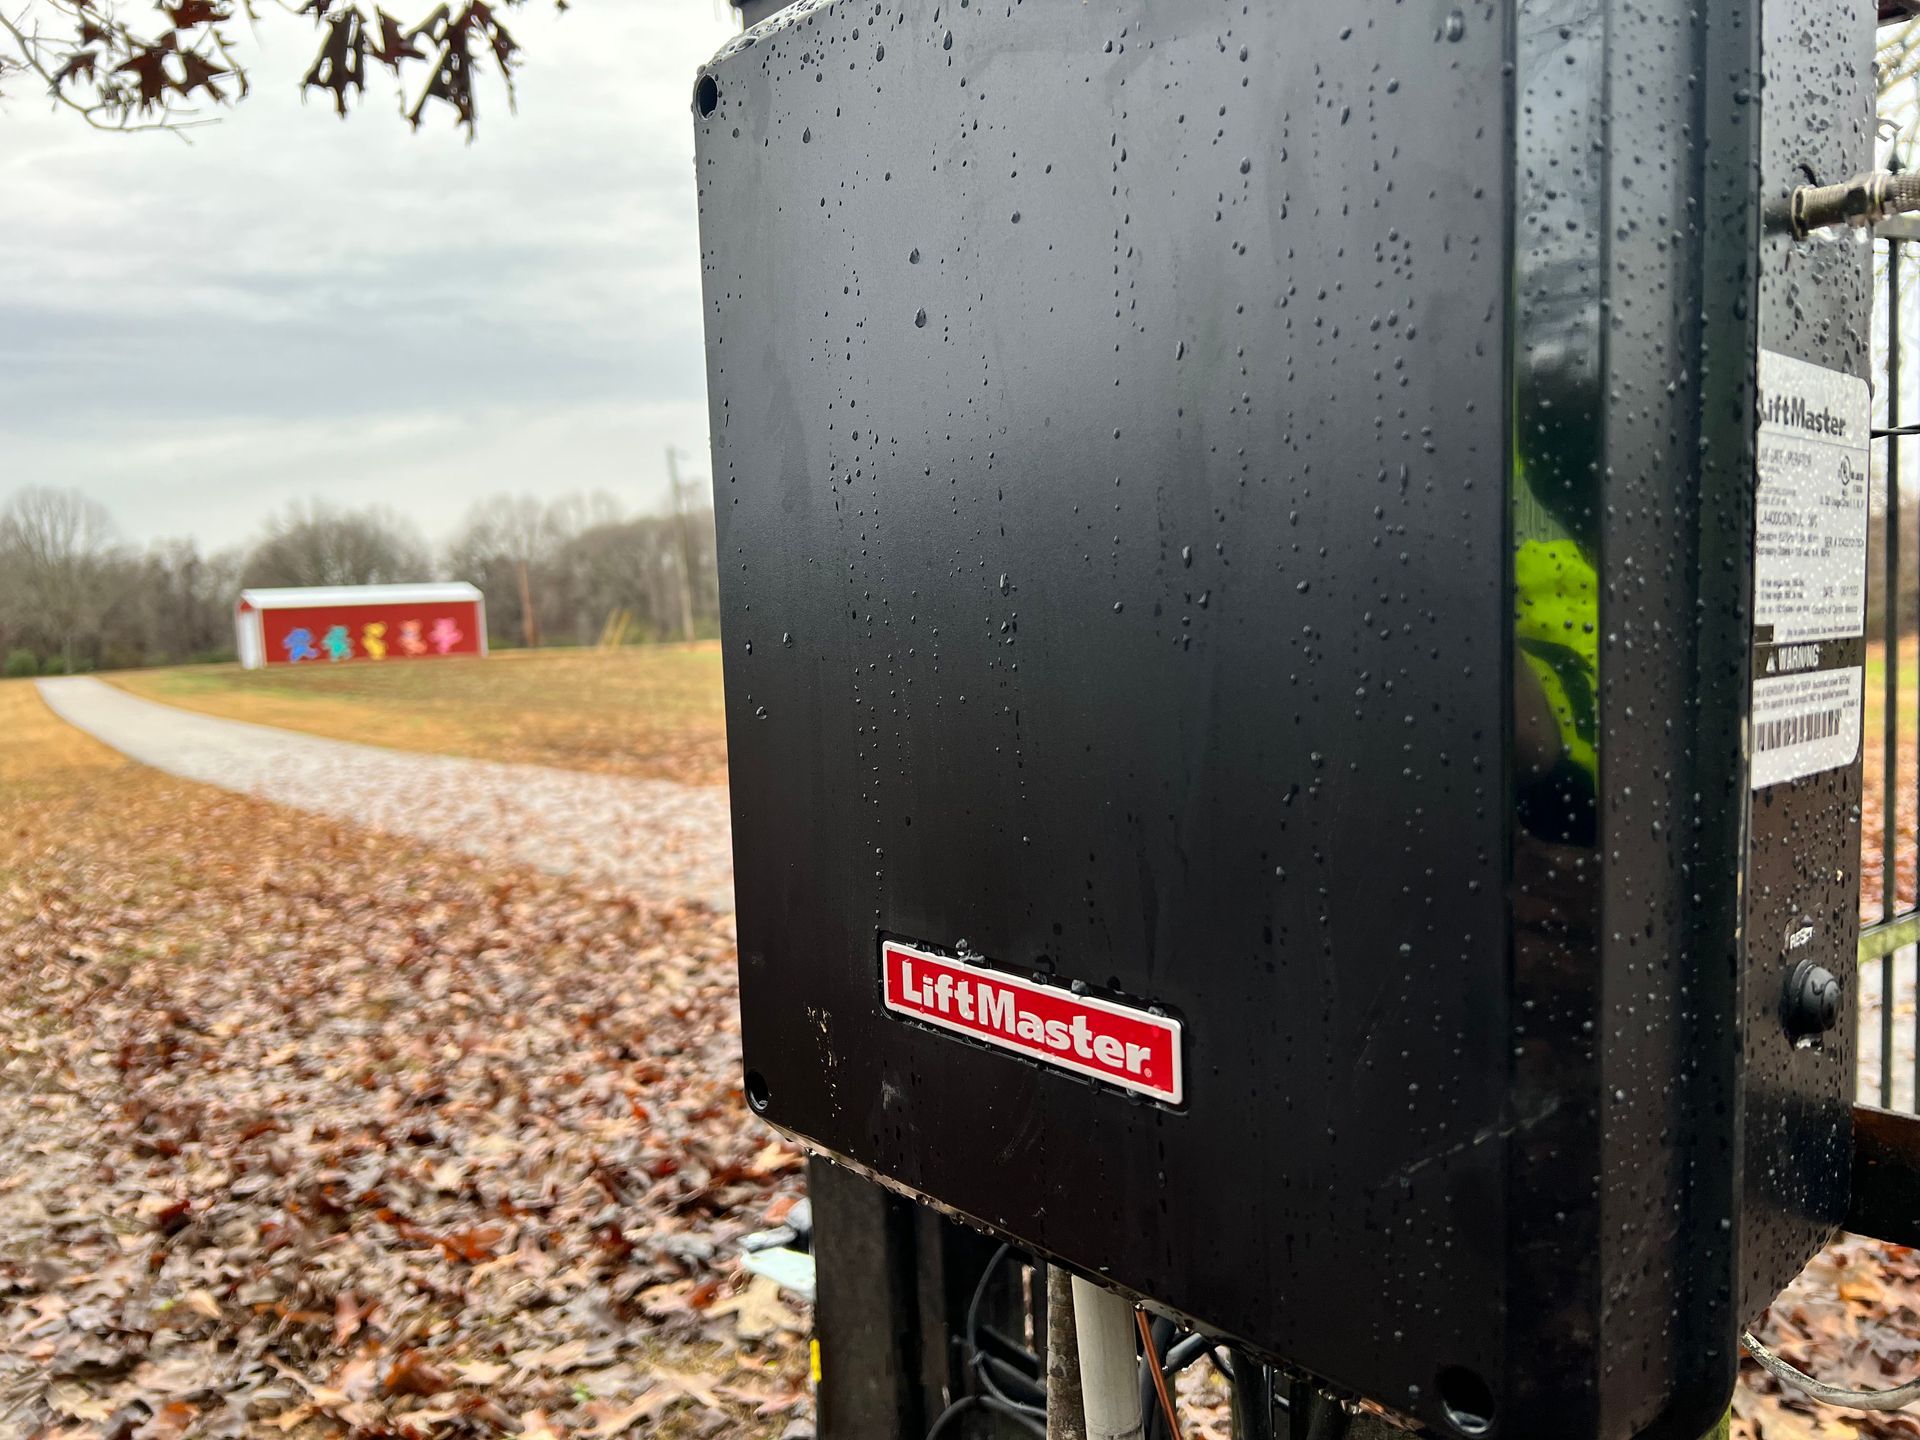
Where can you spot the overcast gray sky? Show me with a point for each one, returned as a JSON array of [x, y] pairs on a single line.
[[294, 307]]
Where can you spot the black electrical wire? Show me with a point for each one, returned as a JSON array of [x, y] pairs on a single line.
[[1021, 1389], [1256, 1406], [997, 1400], [972, 1337], [1184, 1352], [951, 1415], [1006, 1348], [1010, 1374]]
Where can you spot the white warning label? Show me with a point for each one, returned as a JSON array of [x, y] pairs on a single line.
[[1809, 569], [1803, 724]]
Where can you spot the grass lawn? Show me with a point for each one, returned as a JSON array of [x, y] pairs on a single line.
[[43, 757], [651, 711], [1909, 681]]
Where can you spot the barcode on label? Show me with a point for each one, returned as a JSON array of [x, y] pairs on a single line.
[[1805, 723], [1798, 729]]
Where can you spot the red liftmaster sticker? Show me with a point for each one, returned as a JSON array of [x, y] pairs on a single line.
[[1115, 1043]]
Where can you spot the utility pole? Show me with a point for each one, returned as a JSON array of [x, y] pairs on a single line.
[[686, 548], [529, 627]]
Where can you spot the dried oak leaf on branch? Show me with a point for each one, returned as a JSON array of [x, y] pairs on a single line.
[[119, 77], [148, 66], [459, 40], [190, 13]]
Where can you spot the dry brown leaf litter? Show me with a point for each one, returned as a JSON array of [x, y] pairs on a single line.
[[1851, 1318], [435, 1069], [314, 1133]]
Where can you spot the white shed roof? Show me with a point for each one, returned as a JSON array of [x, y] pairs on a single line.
[[428, 593]]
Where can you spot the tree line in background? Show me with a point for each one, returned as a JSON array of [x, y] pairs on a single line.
[[578, 570]]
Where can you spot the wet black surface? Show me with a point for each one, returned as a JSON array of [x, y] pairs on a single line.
[[1129, 430]]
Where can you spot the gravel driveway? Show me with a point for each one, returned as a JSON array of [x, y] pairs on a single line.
[[662, 841]]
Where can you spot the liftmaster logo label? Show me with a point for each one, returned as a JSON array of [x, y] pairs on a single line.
[[1118, 1044], [1809, 570]]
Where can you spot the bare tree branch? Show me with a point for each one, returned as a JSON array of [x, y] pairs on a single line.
[[1897, 58], [106, 107], [95, 63]]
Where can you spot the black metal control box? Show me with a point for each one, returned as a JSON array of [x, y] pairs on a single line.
[[1276, 759]]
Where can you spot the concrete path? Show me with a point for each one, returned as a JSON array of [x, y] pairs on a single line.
[[662, 841]]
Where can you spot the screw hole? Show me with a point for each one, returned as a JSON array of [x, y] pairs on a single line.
[[706, 95], [1468, 1400], [758, 1095]]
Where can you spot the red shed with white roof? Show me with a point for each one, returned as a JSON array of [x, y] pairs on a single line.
[[324, 625]]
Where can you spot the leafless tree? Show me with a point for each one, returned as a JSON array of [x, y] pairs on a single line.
[[172, 603], [72, 598], [316, 545], [635, 565], [586, 559], [516, 549], [506, 547], [56, 570]]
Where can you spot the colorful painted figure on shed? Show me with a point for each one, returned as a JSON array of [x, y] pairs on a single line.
[[299, 645]]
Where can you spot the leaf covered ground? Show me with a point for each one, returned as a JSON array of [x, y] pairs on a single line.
[[1851, 1318], [315, 1133], [312, 1132]]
